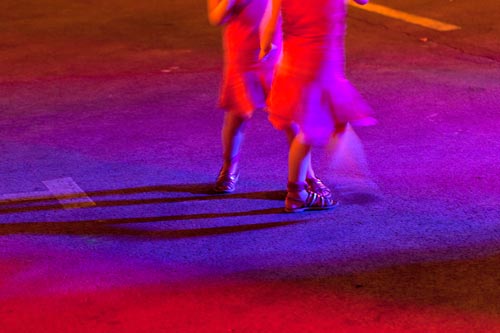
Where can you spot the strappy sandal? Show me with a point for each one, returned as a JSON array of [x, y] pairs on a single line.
[[314, 201], [317, 186], [226, 182]]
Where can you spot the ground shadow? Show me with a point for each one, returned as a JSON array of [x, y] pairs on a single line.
[[113, 227], [201, 192]]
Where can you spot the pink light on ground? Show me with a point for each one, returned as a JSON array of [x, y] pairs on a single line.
[[237, 306]]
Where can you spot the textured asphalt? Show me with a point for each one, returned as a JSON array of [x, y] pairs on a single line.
[[120, 97]]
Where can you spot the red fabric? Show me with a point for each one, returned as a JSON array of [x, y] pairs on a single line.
[[245, 91], [246, 81], [310, 87]]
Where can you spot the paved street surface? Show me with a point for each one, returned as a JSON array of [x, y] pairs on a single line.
[[109, 138]]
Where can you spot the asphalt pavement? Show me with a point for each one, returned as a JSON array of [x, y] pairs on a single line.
[[109, 138]]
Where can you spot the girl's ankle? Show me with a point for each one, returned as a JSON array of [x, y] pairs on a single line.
[[230, 167], [297, 190], [296, 186]]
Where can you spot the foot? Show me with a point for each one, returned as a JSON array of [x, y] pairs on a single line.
[[317, 186], [299, 198], [226, 181]]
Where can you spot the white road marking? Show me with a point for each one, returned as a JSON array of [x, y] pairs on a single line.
[[65, 190], [407, 17], [68, 193]]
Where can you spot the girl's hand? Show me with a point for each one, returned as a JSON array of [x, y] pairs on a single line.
[[219, 10], [265, 51], [265, 54], [262, 54], [268, 28]]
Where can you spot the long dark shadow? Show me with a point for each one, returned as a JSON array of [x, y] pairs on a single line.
[[105, 227], [45, 203], [186, 188]]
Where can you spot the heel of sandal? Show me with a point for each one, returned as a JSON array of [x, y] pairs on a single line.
[[314, 201], [226, 182]]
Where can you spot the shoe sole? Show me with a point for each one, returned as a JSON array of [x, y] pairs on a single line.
[[303, 209], [223, 191]]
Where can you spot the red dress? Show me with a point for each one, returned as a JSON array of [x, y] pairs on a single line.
[[247, 81], [310, 86]]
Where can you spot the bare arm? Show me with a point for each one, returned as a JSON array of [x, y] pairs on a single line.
[[270, 22], [218, 10]]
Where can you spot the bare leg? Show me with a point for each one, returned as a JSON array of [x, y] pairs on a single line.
[[291, 132], [300, 196], [232, 137], [299, 161]]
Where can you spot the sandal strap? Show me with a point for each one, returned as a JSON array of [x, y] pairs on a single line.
[[316, 200], [226, 181], [316, 185], [227, 176]]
